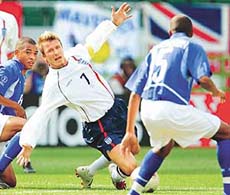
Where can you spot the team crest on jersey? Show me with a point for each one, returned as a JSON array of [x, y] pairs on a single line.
[[108, 140], [81, 61], [3, 79]]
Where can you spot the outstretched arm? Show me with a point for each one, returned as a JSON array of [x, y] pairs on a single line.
[[95, 40], [130, 141]]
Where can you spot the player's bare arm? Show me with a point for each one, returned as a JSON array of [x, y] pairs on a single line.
[[130, 141], [209, 85], [19, 110]]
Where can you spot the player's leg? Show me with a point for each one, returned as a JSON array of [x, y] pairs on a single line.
[[86, 173], [126, 162], [223, 148], [8, 178], [122, 166], [10, 126], [150, 164], [12, 150]]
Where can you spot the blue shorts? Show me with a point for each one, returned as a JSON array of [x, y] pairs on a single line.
[[105, 133]]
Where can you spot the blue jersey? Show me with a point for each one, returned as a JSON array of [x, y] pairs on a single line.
[[11, 84], [37, 82], [170, 69]]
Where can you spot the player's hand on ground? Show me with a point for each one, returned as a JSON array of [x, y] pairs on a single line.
[[119, 16], [24, 156], [220, 94], [130, 143]]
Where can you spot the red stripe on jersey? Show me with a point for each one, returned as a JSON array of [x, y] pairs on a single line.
[[75, 58], [97, 76]]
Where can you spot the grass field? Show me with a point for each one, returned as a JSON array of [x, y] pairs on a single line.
[[185, 172]]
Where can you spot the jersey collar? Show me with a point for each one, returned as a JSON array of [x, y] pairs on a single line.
[[20, 65], [178, 34]]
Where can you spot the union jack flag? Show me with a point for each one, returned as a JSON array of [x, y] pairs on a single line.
[[210, 23]]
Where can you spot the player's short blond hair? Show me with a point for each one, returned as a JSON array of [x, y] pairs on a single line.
[[47, 36]]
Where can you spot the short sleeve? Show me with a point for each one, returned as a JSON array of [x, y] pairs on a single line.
[[5, 80], [138, 79], [198, 65]]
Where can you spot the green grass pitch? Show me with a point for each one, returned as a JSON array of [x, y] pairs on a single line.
[[185, 172]]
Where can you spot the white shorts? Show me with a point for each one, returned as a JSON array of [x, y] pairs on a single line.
[[3, 119], [184, 124]]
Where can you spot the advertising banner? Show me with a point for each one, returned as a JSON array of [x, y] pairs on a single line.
[[65, 127]]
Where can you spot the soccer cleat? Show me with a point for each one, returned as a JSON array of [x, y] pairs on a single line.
[[3, 185], [86, 178], [119, 183], [28, 168]]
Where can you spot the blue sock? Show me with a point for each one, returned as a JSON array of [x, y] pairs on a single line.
[[12, 150], [149, 166], [223, 151]]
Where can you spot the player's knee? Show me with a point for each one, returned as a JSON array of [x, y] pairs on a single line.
[[223, 133], [21, 123]]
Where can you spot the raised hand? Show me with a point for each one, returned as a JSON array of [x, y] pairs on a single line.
[[119, 16]]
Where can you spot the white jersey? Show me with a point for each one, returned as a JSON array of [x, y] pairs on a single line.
[[77, 86], [8, 35]]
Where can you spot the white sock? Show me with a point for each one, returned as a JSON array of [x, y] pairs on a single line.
[[137, 187], [116, 174], [100, 163]]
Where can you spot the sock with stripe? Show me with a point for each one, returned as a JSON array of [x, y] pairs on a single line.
[[116, 173], [12, 150], [223, 151], [151, 163]]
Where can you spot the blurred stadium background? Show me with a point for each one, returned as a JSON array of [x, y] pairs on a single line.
[[73, 20]]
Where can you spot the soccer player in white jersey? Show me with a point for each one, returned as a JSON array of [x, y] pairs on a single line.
[[8, 36], [164, 83], [71, 81]]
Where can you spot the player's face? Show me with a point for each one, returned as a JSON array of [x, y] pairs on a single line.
[[54, 54], [27, 55]]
